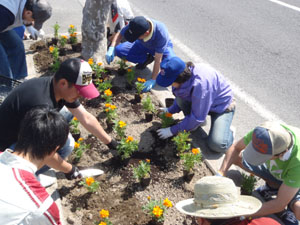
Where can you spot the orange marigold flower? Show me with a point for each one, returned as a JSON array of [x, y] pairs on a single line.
[[76, 145], [80, 139], [90, 61], [75, 118], [108, 92], [143, 80], [99, 63], [129, 70], [100, 80], [75, 33], [122, 124], [107, 105], [104, 213], [130, 138], [157, 211], [148, 160], [51, 49], [71, 26], [139, 79], [168, 114], [113, 107], [168, 203], [89, 181], [106, 110], [102, 223], [64, 36], [195, 151]]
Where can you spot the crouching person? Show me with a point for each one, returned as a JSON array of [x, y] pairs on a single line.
[[22, 198]]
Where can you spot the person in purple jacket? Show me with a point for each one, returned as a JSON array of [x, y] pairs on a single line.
[[200, 91], [146, 40]]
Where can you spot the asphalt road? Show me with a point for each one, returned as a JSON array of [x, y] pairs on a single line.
[[254, 43]]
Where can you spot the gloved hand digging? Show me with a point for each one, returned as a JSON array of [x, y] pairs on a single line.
[[34, 33], [164, 133], [113, 145], [162, 110], [148, 85], [73, 174], [110, 55]]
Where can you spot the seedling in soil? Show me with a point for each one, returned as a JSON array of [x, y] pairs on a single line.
[[99, 70], [63, 40], [181, 141], [248, 184], [79, 148], [166, 119], [190, 159], [56, 28], [107, 95], [55, 53], [120, 128], [142, 170], [90, 184], [127, 146], [140, 85], [74, 126], [111, 113], [123, 66], [104, 214], [130, 75], [103, 85], [157, 208], [147, 104], [73, 34]]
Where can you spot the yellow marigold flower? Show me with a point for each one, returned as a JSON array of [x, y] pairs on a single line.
[[106, 110], [64, 36], [122, 124], [99, 63], [195, 151], [108, 92], [129, 70], [107, 105], [113, 107], [148, 160], [100, 80], [75, 118], [167, 203], [75, 33], [139, 79], [102, 223], [143, 80], [89, 181], [157, 211], [168, 114], [76, 145], [90, 61], [149, 198], [80, 139], [104, 213], [51, 49], [71, 26], [130, 138]]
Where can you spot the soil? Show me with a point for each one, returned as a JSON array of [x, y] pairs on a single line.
[[119, 192]]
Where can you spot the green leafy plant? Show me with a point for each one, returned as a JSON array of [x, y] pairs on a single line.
[[181, 141], [120, 128], [147, 104], [190, 159], [248, 183], [107, 95], [63, 40], [127, 146], [142, 170], [90, 184], [79, 148], [122, 63], [157, 208], [139, 85], [103, 85], [166, 119], [73, 34], [104, 214], [110, 111], [74, 126], [130, 75], [55, 53], [56, 28]]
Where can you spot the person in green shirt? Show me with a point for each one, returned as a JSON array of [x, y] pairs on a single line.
[[271, 152]]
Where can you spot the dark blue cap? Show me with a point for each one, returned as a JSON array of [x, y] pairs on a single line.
[[137, 26]]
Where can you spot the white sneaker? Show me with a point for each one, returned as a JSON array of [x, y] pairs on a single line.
[[46, 179]]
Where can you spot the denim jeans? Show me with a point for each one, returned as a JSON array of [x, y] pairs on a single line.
[[12, 55], [67, 149], [220, 137], [137, 53]]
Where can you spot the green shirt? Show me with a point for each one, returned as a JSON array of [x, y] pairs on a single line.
[[287, 171]]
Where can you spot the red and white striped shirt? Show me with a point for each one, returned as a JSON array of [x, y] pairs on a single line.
[[22, 198]]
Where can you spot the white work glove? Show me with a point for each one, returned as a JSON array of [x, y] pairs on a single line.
[[164, 133], [34, 33]]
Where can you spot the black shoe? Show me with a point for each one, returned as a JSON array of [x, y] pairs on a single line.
[[141, 66], [267, 192], [288, 217]]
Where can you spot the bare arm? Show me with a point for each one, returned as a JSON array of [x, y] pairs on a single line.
[[232, 156], [56, 162], [90, 123], [284, 196], [156, 66], [116, 40]]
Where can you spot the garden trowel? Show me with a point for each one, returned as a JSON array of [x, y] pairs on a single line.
[[91, 172]]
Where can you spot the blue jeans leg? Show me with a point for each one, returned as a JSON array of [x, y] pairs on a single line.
[[12, 55], [220, 136]]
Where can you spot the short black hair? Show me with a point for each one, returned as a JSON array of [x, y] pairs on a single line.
[[186, 74], [29, 5], [69, 70], [42, 130]]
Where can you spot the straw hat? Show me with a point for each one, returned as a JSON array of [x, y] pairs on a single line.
[[218, 198]]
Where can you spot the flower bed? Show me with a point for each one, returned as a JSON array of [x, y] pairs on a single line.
[[119, 191]]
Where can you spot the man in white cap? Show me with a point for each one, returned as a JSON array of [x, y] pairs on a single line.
[[15, 13], [72, 80], [271, 151], [217, 202]]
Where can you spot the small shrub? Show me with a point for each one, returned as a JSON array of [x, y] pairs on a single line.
[[127, 146], [142, 170], [110, 111], [120, 128], [63, 40], [139, 85], [104, 214], [248, 183], [107, 95], [181, 141], [147, 104], [190, 159], [130, 75], [90, 184], [157, 208], [166, 119], [73, 34], [56, 28], [74, 126]]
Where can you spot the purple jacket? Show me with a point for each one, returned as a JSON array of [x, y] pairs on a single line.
[[207, 90]]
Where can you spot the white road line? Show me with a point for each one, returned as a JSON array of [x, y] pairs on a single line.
[[256, 106], [286, 5]]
